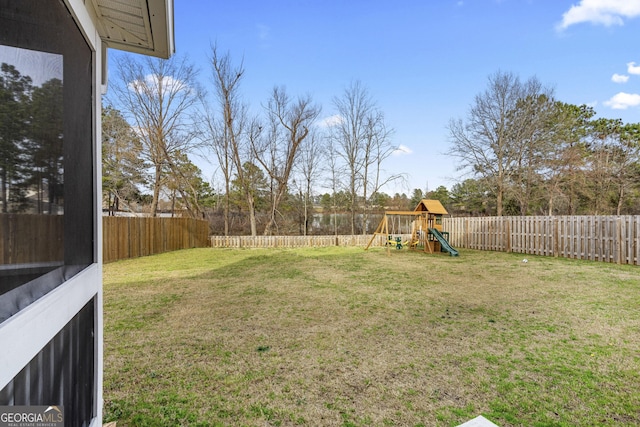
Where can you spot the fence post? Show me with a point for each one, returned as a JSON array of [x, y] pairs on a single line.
[[635, 259], [556, 242], [619, 238], [465, 232]]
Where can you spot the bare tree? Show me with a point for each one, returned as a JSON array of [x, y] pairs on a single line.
[[362, 141], [250, 177], [491, 142], [531, 124], [334, 179], [376, 148], [309, 167], [350, 131], [289, 123], [225, 135], [157, 96]]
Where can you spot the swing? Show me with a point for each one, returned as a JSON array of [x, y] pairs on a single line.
[[391, 239], [395, 238], [394, 231], [418, 224]]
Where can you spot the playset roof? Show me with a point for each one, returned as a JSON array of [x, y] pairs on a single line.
[[431, 206]]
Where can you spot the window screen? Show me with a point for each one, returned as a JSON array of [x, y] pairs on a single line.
[[46, 151]]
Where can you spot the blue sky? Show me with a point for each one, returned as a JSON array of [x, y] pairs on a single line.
[[422, 61]]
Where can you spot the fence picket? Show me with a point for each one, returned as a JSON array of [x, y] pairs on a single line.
[[598, 238], [131, 237], [296, 241], [614, 239]]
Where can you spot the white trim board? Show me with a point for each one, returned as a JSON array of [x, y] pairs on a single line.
[[24, 334]]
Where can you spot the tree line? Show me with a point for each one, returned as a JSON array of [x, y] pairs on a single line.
[[526, 153], [271, 163], [520, 151], [31, 144]]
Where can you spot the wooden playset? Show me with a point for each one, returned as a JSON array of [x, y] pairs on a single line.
[[426, 229]]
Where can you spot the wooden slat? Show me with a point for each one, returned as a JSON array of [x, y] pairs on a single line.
[[128, 237], [598, 238], [38, 238], [26, 239]]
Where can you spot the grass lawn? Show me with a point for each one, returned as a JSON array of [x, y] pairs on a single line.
[[344, 337]]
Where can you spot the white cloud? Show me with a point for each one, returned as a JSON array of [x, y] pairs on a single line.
[[151, 85], [603, 12], [331, 121], [622, 101], [402, 150], [632, 68], [619, 78]]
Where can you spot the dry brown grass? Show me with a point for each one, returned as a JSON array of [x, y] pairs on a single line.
[[347, 337]]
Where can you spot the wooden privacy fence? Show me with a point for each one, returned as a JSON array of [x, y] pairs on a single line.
[[28, 239], [131, 237], [597, 238], [290, 241]]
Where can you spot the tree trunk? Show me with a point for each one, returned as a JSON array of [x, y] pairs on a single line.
[[226, 209], [306, 215], [353, 203], [156, 191], [620, 197], [272, 222], [365, 216], [499, 197], [252, 213], [281, 189]]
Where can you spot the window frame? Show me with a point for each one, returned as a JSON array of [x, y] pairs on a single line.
[[58, 32]]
